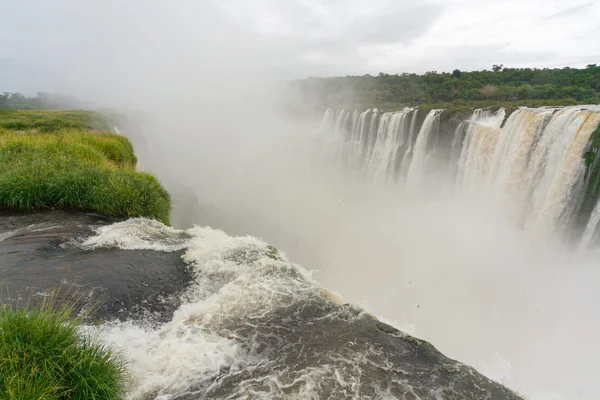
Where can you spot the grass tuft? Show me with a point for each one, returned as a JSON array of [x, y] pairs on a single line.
[[45, 356]]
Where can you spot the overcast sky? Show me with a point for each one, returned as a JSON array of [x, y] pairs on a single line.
[[72, 44]]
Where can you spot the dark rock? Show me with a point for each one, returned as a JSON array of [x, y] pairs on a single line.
[[35, 260]]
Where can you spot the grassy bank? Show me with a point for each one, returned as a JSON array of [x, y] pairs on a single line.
[[55, 167], [45, 356]]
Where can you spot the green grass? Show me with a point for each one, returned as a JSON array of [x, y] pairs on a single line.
[[48, 121], [74, 168], [45, 356]]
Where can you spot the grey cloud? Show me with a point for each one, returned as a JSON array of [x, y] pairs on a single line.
[[463, 57], [400, 23], [348, 27]]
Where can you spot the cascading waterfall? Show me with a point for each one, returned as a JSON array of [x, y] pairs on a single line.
[[480, 137], [531, 161], [392, 136], [591, 229], [564, 186], [477, 155], [421, 150], [379, 146], [511, 155]]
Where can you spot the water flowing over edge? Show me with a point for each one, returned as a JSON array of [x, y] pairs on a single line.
[[254, 325], [535, 163]]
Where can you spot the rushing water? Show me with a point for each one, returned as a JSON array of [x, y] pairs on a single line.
[[533, 161], [254, 325]]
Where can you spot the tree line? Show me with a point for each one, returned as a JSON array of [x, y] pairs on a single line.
[[43, 101], [564, 86], [527, 86]]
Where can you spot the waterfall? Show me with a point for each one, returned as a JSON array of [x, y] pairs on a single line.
[[591, 228], [535, 161], [477, 155], [392, 135], [369, 142], [564, 172], [327, 122], [417, 166], [459, 136], [480, 137], [515, 145], [531, 162]]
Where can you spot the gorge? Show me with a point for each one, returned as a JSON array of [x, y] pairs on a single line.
[[475, 233]]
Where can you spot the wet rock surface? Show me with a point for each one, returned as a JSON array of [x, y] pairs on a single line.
[[37, 258]]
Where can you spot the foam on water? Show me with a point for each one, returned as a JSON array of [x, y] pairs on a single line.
[[235, 277], [174, 357], [138, 234], [254, 325]]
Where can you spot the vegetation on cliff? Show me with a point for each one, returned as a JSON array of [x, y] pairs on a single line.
[[63, 164], [475, 89], [45, 356]]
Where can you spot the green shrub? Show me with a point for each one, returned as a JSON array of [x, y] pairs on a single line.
[[45, 356]]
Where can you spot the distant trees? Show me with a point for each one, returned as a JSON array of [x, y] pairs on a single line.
[[564, 86], [3, 99], [43, 101]]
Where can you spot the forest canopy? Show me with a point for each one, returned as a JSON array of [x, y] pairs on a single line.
[[530, 86]]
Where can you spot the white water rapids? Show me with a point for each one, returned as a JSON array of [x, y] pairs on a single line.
[[236, 279], [254, 325]]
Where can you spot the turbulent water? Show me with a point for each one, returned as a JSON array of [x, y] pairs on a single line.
[[532, 162], [254, 326]]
